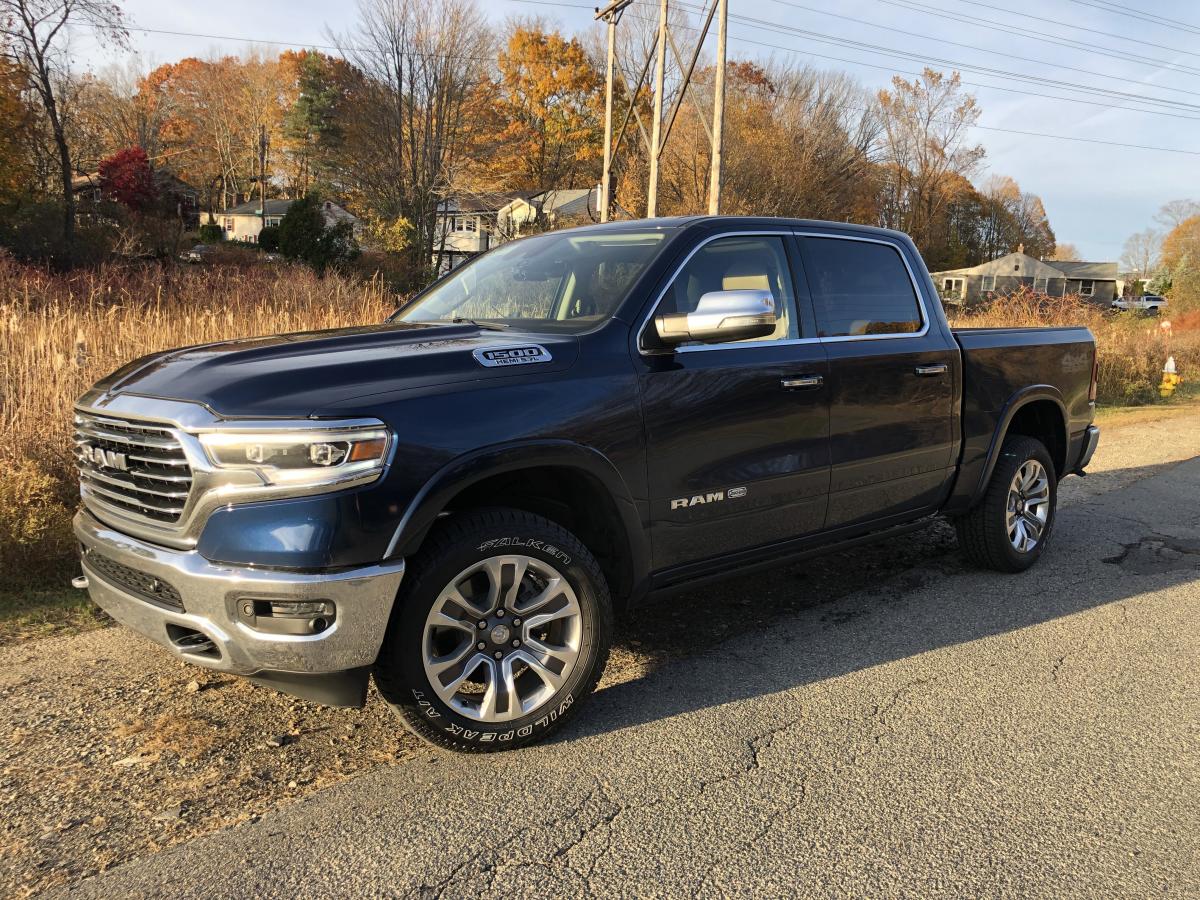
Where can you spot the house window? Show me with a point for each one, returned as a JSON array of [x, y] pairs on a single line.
[[1039, 285], [952, 285], [465, 223], [987, 283], [1087, 288], [272, 222], [228, 224]]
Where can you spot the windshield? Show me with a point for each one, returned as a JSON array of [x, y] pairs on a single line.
[[566, 283]]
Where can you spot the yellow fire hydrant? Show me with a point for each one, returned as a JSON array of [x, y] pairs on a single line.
[[1170, 379]]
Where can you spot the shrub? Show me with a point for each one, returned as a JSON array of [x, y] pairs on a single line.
[[212, 233], [303, 235], [268, 238]]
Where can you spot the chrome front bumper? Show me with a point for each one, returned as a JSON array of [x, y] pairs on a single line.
[[210, 594]]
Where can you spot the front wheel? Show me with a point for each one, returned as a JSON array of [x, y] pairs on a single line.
[[501, 630], [1008, 529]]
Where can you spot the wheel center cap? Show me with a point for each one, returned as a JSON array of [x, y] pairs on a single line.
[[500, 634]]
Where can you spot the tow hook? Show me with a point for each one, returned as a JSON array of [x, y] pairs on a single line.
[[80, 582]]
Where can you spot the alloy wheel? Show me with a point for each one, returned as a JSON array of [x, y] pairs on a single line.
[[502, 637]]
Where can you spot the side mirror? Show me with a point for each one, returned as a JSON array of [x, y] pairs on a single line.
[[720, 316]]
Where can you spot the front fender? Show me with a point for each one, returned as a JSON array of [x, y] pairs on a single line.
[[471, 468]]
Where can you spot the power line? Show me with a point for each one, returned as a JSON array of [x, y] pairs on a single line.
[[1152, 18], [1072, 43], [1074, 26], [890, 51]]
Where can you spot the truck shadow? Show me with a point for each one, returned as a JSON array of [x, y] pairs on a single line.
[[802, 624]]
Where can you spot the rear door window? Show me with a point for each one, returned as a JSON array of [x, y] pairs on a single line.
[[860, 288]]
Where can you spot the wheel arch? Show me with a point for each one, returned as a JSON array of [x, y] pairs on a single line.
[[1036, 411], [568, 483]]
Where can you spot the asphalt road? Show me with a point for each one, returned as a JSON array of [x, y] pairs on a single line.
[[945, 732]]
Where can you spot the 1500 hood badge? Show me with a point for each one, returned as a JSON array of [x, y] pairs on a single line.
[[512, 356]]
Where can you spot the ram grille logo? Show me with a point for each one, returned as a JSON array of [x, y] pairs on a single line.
[[105, 459], [512, 356], [708, 497]]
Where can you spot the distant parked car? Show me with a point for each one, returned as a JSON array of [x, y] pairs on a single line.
[[1148, 303], [197, 253]]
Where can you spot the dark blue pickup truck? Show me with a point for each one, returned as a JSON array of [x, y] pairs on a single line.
[[459, 500]]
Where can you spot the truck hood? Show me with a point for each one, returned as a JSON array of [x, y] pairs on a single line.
[[293, 375]]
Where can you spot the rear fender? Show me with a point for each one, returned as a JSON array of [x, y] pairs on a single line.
[[973, 477]]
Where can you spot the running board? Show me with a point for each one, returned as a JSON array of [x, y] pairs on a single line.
[[790, 556]]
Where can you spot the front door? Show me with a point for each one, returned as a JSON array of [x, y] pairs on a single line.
[[892, 381], [737, 433]]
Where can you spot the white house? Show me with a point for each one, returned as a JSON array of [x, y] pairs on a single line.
[[470, 224], [243, 223]]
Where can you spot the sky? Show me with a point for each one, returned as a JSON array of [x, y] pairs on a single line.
[[1096, 195]]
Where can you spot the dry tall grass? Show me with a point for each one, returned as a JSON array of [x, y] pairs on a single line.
[[61, 333], [1131, 349]]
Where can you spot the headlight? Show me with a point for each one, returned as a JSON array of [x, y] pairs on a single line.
[[320, 456]]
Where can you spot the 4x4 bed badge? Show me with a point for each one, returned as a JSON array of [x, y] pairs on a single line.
[[512, 356]]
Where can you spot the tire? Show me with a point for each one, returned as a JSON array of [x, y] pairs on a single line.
[[507, 562], [987, 535]]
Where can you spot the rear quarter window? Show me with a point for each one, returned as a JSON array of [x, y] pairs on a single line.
[[860, 288]]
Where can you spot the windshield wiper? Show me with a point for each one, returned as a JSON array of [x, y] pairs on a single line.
[[460, 320], [493, 326]]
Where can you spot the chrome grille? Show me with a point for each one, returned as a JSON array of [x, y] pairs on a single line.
[[142, 468]]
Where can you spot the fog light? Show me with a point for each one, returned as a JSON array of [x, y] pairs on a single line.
[[287, 616]]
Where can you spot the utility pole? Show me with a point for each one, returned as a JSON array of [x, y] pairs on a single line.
[[655, 142], [661, 127], [611, 14], [262, 176], [718, 128]]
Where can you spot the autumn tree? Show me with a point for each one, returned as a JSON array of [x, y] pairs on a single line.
[[211, 113], [550, 98], [16, 154], [926, 124], [1065, 252], [798, 142], [126, 177], [1183, 241], [36, 31]]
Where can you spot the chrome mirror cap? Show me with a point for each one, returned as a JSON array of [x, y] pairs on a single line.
[[720, 316]]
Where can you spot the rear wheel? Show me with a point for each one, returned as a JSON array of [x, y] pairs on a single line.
[[501, 630], [1008, 529]]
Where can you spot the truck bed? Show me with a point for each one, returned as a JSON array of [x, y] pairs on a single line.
[[999, 364]]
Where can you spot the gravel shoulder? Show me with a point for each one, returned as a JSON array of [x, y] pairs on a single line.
[[110, 751]]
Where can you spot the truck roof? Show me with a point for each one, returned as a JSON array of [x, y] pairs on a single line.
[[674, 222]]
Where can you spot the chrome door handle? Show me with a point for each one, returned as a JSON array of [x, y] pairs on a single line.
[[939, 369], [802, 381]]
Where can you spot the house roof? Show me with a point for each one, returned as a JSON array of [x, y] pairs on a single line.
[[251, 208], [486, 202], [1093, 271], [1025, 266], [332, 211]]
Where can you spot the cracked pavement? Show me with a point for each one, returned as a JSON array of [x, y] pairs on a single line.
[[946, 732]]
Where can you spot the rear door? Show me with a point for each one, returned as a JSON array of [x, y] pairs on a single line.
[[737, 433], [891, 380]]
